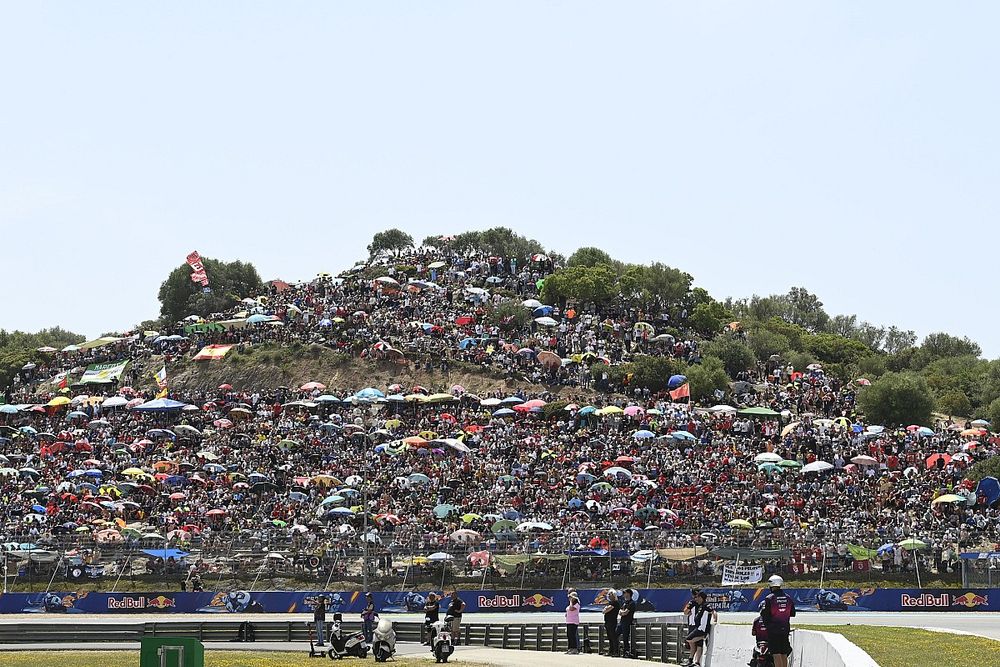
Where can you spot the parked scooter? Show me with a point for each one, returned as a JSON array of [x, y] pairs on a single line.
[[442, 646], [384, 641], [344, 645]]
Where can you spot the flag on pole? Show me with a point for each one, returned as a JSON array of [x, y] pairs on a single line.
[[683, 391], [61, 380], [161, 377]]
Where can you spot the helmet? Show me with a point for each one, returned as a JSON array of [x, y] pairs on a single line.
[[775, 581]]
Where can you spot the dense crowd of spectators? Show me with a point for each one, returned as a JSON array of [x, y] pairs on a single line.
[[317, 468]]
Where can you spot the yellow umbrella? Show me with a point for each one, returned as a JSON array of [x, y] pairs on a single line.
[[134, 472], [58, 401], [610, 410], [788, 429], [948, 498], [740, 523]]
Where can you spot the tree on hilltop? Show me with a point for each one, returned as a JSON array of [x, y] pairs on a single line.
[[228, 281]]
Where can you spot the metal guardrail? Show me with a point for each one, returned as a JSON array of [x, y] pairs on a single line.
[[658, 642]]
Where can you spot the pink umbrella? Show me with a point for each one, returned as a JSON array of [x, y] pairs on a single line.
[[633, 410]]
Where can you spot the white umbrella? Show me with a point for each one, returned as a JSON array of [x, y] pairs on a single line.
[[864, 460], [817, 466], [767, 457], [546, 321]]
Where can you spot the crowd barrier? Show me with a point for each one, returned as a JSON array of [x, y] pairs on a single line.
[[649, 600]]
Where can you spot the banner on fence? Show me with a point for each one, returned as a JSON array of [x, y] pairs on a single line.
[[740, 575], [103, 373], [353, 602]]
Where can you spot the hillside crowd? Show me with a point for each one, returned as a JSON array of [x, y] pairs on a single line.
[[439, 469]]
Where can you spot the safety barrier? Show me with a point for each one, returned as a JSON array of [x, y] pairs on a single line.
[[659, 642]]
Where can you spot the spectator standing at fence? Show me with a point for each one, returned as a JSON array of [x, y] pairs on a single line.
[[368, 617], [777, 613], [699, 624], [573, 624], [611, 610], [319, 618], [455, 609], [626, 617]]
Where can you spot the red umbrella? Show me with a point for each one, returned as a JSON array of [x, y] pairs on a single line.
[[934, 458], [225, 387]]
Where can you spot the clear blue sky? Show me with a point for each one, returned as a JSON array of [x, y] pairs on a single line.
[[848, 147]]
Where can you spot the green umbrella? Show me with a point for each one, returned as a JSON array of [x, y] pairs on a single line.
[[279, 523], [770, 468], [502, 525], [788, 463], [913, 543]]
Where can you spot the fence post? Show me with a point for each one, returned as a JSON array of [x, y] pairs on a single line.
[[678, 645], [520, 642], [663, 643], [503, 638], [646, 647], [486, 637]]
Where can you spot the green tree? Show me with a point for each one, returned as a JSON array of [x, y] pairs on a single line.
[[831, 348], [897, 399], [706, 377], [708, 318], [736, 357], [229, 282], [586, 284], [653, 372], [942, 345], [590, 256], [765, 342], [954, 404], [992, 413], [391, 240], [806, 310], [18, 348]]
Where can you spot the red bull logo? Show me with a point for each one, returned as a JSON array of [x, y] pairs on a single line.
[[971, 601], [849, 598], [160, 602], [140, 602], [538, 601], [925, 600], [498, 601]]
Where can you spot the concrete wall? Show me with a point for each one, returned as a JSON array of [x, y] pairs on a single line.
[[732, 646]]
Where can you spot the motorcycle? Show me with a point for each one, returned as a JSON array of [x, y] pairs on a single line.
[[384, 641], [442, 646], [349, 645]]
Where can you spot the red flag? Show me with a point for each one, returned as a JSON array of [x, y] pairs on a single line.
[[683, 391]]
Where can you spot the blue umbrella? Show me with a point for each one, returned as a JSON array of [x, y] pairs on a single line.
[[682, 435], [160, 405], [326, 323], [176, 480], [87, 485], [8, 409], [75, 474], [327, 398], [990, 488], [339, 511], [370, 392], [587, 410], [513, 400], [504, 412], [38, 508], [886, 548], [93, 473], [76, 414], [642, 435], [575, 503], [299, 496], [466, 342], [542, 311], [676, 381], [257, 319], [585, 478]]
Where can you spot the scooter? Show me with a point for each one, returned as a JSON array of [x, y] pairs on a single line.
[[350, 645], [442, 646], [384, 641]]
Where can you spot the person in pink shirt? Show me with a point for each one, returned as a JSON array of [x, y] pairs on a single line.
[[573, 623]]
